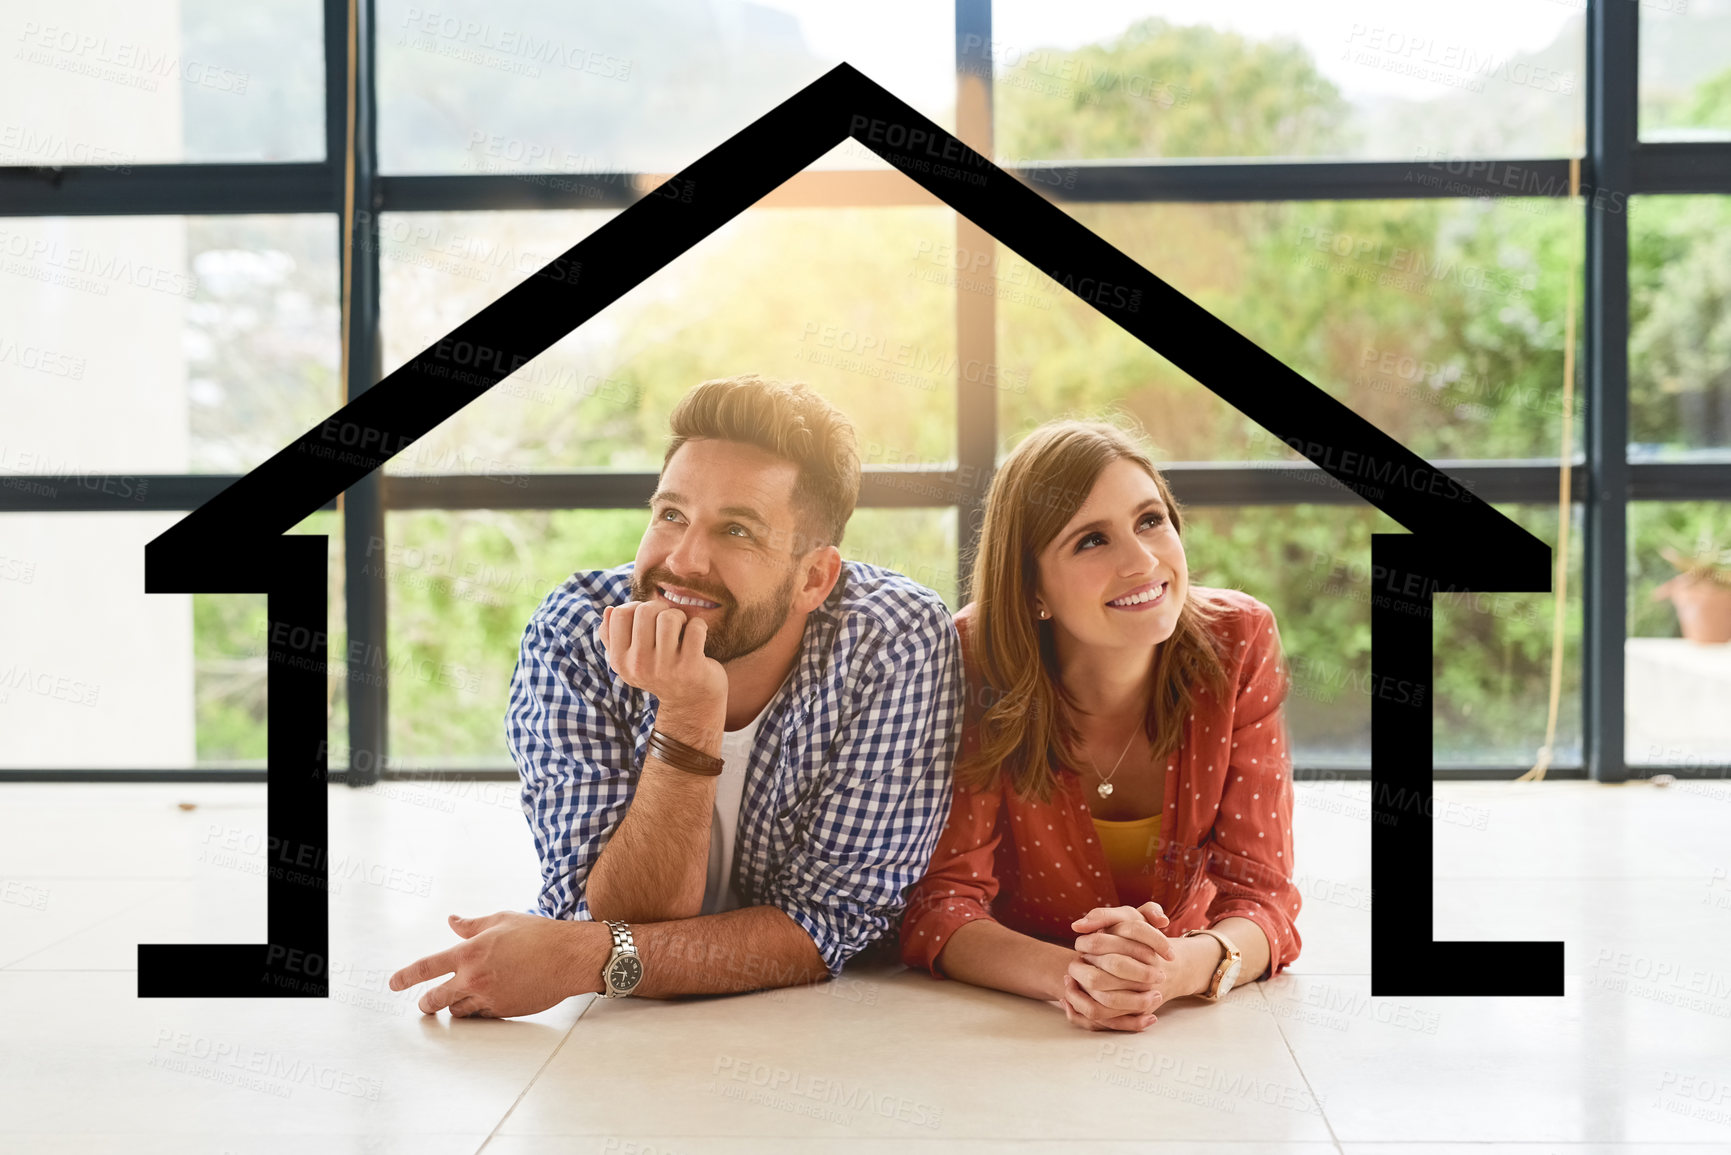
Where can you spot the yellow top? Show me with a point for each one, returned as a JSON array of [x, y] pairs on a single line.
[[1130, 845]]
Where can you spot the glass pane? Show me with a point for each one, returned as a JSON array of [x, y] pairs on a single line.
[[97, 674], [107, 83], [841, 299], [1357, 78], [164, 344], [1311, 565], [1685, 70], [462, 585], [1680, 328], [1493, 663], [1677, 671], [1439, 321], [526, 85], [920, 543]]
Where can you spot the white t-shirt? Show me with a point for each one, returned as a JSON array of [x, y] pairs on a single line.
[[718, 894]]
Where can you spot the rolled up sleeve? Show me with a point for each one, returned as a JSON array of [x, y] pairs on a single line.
[[961, 883], [572, 754], [1250, 853], [872, 831]]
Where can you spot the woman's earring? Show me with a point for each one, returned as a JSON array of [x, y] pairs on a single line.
[[1042, 613]]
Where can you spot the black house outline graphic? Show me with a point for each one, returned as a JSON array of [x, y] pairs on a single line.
[[238, 542]]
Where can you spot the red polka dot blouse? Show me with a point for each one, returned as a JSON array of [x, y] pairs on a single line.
[[1225, 838]]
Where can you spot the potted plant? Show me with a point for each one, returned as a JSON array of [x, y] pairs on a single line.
[[1701, 590]]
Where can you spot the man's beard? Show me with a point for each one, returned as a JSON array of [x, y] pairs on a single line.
[[739, 630]]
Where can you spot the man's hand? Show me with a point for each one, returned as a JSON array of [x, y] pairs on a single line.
[[1124, 968], [511, 964], [644, 647]]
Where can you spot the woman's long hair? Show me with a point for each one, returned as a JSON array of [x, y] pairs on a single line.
[[1026, 728]]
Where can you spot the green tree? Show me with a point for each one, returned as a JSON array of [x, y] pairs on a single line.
[[1166, 90]]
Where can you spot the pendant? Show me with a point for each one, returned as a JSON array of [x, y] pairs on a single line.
[[1105, 789]]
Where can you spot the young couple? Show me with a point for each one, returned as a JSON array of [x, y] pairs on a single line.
[[745, 760]]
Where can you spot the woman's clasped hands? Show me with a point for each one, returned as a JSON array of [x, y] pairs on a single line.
[[1125, 968]]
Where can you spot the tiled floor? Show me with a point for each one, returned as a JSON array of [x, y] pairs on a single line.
[[1636, 1057]]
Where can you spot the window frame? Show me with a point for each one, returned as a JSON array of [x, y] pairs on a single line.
[[347, 180]]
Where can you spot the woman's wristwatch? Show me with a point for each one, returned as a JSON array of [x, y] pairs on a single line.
[[1226, 973]]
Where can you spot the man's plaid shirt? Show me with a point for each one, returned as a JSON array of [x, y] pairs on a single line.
[[848, 784]]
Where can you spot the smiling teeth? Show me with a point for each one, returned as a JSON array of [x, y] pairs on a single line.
[[1138, 600], [679, 601]]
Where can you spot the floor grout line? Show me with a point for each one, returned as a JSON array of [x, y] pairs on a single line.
[[521, 1095], [105, 919], [117, 877], [1299, 1067]]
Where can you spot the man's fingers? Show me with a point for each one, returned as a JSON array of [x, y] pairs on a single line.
[[468, 1006], [442, 996], [470, 927], [667, 626], [643, 631], [696, 636], [619, 629], [431, 967]]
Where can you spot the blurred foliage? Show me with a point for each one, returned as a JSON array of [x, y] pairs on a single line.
[[1707, 107], [1165, 90], [1680, 322], [230, 641]]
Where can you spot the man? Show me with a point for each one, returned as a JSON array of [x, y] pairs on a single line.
[[736, 749]]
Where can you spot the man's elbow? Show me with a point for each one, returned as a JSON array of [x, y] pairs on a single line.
[[607, 906]]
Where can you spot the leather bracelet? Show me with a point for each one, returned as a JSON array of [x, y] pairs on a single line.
[[682, 755]]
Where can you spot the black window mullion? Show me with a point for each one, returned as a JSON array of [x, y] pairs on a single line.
[[365, 595], [976, 311], [1612, 30]]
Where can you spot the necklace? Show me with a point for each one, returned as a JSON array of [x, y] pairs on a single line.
[[1105, 786]]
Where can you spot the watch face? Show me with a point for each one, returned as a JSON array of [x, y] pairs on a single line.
[[1231, 976], [626, 972]]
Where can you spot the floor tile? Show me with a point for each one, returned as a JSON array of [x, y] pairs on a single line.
[[37, 916], [1635, 1058], [85, 1055], [899, 1055], [630, 1143], [1604, 1062]]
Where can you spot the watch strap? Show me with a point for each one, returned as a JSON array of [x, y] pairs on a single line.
[[1212, 994], [622, 937], [622, 944]]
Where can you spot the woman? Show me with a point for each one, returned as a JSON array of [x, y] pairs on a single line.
[[1124, 781]]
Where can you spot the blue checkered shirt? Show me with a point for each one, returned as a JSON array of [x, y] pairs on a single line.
[[849, 780]]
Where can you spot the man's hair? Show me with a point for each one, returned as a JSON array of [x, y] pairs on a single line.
[[790, 420]]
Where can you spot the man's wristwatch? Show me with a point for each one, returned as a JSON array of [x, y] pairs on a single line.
[[624, 970], [1226, 973]]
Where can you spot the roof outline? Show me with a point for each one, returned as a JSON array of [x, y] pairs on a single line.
[[239, 540]]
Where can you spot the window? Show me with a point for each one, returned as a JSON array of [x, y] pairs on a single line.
[[1246, 78], [1685, 78], [112, 86], [1437, 320], [1377, 198]]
